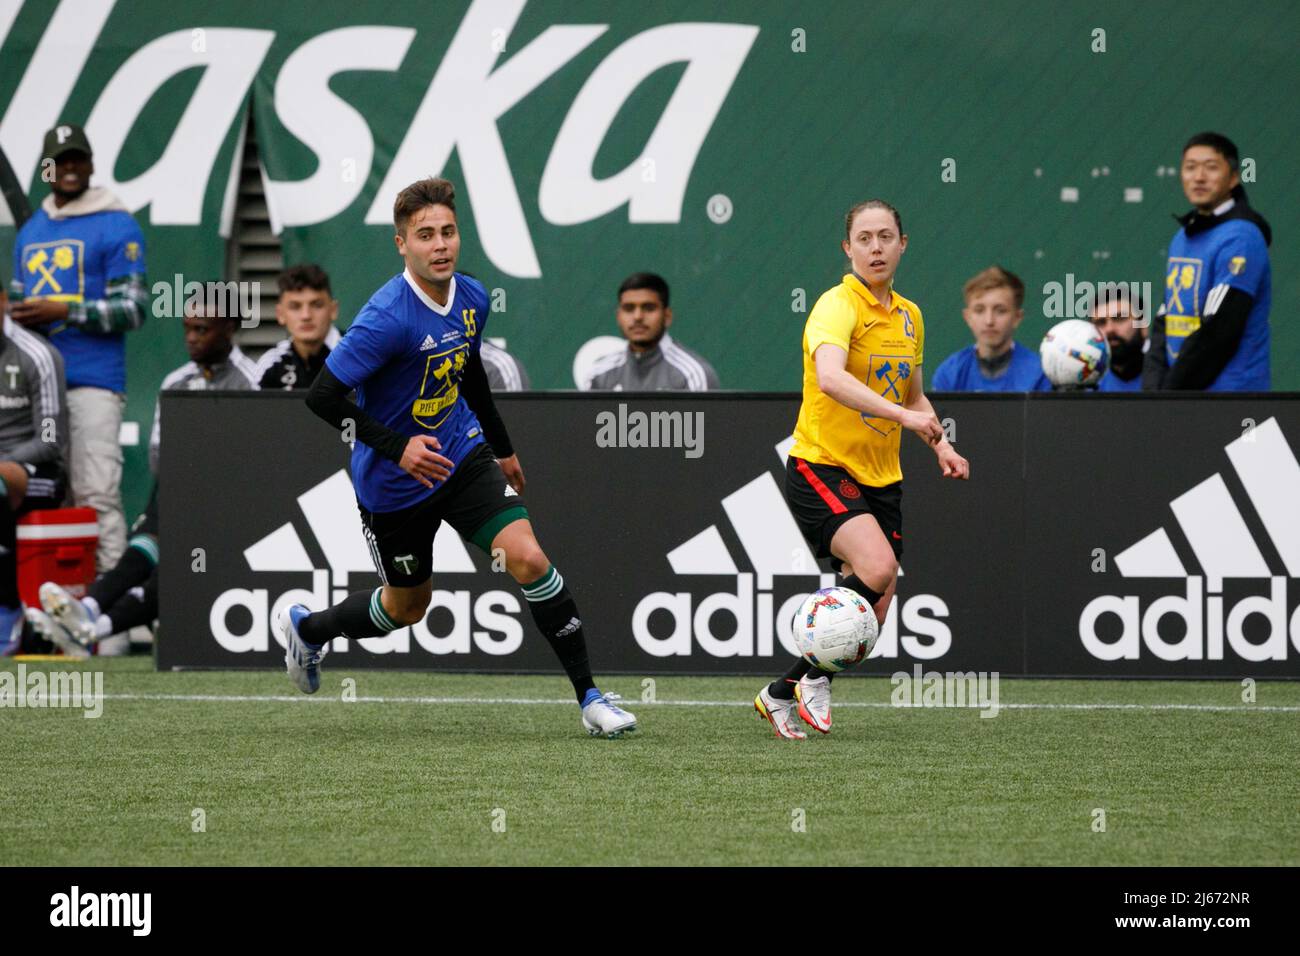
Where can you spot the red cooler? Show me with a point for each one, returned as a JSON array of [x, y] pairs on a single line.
[[56, 545]]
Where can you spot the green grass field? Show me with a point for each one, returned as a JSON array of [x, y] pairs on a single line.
[[397, 778]]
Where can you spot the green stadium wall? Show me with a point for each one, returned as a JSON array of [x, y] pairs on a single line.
[[816, 106]]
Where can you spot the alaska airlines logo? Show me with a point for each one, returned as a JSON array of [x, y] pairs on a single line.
[[773, 547], [1225, 549], [473, 87], [489, 623]]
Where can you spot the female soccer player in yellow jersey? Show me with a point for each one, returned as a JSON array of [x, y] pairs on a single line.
[[863, 349]]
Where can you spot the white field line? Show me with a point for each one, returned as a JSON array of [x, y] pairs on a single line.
[[534, 701]]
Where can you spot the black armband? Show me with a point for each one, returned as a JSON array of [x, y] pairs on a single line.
[[1210, 348], [328, 399], [478, 395]]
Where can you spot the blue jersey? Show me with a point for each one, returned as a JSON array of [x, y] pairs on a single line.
[[72, 260], [405, 355], [1110, 382], [1232, 254], [960, 372]]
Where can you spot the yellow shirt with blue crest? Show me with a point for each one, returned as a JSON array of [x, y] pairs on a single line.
[[885, 346]]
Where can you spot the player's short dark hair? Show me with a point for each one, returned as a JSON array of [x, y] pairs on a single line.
[[869, 204], [419, 195], [645, 280], [995, 277], [306, 275], [1220, 144]]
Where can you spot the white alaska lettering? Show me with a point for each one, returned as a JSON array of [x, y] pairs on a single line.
[[470, 91], [103, 909]]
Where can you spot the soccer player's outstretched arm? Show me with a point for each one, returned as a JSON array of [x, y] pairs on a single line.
[[478, 395]]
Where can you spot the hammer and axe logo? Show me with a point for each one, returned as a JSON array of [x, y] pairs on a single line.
[[890, 374], [404, 563], [53, 269]]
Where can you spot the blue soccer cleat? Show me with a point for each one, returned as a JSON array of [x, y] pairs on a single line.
[[301, 660]]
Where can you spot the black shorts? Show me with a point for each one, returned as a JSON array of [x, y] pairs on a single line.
[[476, 500], [823, 497], [46, 486]]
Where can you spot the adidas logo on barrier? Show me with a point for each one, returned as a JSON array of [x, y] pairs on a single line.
[[489, 622], [1217, 534], [773, 546]]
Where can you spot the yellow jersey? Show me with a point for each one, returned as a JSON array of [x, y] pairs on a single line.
[[885, 345]]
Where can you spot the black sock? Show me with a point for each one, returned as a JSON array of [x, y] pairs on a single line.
[[138, 607], [855, 583], [360, 614], [557, 618], [783, 687], [8, 552], [131, 570]]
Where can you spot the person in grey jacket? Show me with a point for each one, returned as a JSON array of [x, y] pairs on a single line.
[[652, 361], [126, 596], [216, 362], [33, 451]]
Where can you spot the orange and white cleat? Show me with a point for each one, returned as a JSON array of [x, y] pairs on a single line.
[[814, 697], [780, 714]]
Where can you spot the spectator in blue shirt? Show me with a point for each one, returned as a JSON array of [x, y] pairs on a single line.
[[79, 279], [995, 301], [1112, 316], [1212, 333]]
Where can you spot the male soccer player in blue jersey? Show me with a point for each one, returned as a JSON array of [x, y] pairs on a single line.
[[430, 446], [1212, 332]]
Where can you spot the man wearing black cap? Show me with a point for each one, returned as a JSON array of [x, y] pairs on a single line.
[[1212, 332], [79, 278]]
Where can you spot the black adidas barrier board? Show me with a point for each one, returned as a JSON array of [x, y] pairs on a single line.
[[1099, 536]]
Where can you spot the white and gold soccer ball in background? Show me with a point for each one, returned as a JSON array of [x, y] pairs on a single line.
[[1074, 354]]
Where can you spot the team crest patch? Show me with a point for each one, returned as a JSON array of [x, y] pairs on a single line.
[[889, 376], [133, 251], [1237, 265], [54, 270], [849, 490]]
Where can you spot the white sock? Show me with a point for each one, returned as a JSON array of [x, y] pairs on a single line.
[[103, 626], [91, 605]]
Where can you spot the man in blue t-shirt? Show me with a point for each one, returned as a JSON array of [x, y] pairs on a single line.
[[1212, 332], [995, 301], [431, 446], [79, 279]]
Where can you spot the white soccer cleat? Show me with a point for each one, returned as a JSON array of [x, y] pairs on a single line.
[[780, 714], [814, 697], [69, 612], [301, 662], [51, 630], [604, 718]]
